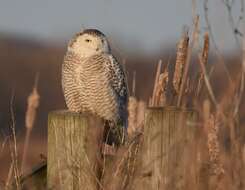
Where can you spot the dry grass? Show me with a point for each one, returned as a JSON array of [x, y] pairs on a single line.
[[181, 57], [205, 52], [14, 174], [188, 55], [156, 86], [219, 169], [33, 103], [159, 95], [222, 153], [219, 149], [132, 114], [212, 130], [14, 168]]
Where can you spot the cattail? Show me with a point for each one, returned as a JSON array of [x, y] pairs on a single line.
[[205, 48], [140, 114], [204, 57], [186, 65], [160, 94], [32, 105], [181, 57], [213, 146], [211, 127], [160, 86], [132, 113], [153, 98]]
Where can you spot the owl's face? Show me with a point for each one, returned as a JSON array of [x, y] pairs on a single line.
[[89, 42]]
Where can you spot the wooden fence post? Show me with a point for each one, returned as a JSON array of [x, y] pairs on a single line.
[[167, 160], [73, 151]]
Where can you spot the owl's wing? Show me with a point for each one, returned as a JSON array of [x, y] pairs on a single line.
[[117, 79], [113, 70], [118, 82]]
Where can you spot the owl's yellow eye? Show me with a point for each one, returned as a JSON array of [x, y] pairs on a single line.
[[87, 40]]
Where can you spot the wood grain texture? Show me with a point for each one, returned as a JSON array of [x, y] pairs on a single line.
[[166, 153], [73, 151]]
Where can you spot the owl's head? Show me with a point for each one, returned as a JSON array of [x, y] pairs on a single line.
[[89, 42]]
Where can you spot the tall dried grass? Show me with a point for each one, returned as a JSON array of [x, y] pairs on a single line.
[[14, 168], [136, 112], [14, 175], [187, 59], [32, 105], [205, 52], [224, 164], [181, 57], [159, 94]]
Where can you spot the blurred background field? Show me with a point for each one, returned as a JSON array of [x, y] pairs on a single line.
[[33, 38]]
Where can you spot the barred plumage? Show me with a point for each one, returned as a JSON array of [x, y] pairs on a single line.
[[93, 80]]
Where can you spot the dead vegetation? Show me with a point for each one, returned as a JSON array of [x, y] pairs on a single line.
[[220, 148]]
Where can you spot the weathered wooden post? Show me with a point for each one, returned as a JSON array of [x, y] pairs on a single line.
[[73, 151], [166, 159]]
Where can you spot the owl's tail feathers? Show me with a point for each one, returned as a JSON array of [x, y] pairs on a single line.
[[115, 134]]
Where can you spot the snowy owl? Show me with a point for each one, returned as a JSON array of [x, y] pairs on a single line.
[[93, 80]]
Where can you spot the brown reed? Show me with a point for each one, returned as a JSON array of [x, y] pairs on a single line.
[[207, 83], [32, 105], [204, 56], [242, 81], [14, 169], [181, 57], [187, 59], [213, 145], [158, 97], [141, 106], [158, 72], [212, 129], [160, 93], [132, 113]]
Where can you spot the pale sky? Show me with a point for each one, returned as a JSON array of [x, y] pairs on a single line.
[[147, 24]]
